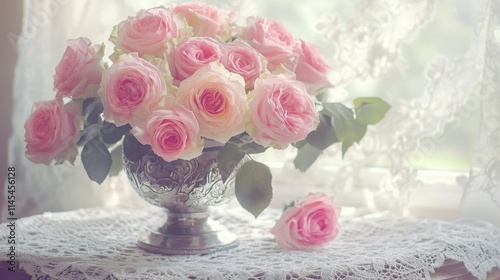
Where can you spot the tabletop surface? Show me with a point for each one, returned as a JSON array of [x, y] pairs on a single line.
[[99, 243]]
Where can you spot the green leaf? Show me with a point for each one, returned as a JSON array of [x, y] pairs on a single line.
[[227, 159], [111, 133], [325, 111], [91, 110], [117, 161], [288, 205], [88, 133], [96, 160], [342, 119], [246, 143], [357, 132], [348, 129], [370, 110], [133, 149], [306, 157], [299, 144], [324, 135], [253, 187], [253, 148]]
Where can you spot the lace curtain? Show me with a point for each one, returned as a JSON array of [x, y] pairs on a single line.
[[436, 62]]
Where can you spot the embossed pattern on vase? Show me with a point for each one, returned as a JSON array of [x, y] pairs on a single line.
[[180, 185]]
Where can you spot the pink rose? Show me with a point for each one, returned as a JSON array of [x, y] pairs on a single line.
[[172, 134], [218, 100], [206, 20], [130, 89], [311, 67], [148, 31], [244, 60], [193, 53], [281, 112], [272, 40], [308, 224], [51, 131], [78, 74]]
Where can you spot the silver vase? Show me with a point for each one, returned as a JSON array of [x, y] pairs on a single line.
[[184, 189]]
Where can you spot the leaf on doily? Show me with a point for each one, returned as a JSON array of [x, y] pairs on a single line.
[[253, 187]]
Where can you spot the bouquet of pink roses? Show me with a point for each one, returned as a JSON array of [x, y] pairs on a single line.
[[186, 77]]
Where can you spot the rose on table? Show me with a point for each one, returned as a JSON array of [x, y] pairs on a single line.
[[308, 224]]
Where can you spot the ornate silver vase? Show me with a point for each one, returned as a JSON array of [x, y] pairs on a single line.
[[184, 189]]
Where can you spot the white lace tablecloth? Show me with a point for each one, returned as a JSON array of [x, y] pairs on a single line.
[[99, 243]]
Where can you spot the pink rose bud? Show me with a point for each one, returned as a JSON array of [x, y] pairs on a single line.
[[272, 40], [148, 32], [245, 61], [193, 53], [51, 131], [218, 100], [311, 67], [206, 20], [309, 224], [78, 74], [130, 89], [172, 133], [281, 112]]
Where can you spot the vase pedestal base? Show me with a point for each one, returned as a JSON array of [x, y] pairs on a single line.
[[188, 234]]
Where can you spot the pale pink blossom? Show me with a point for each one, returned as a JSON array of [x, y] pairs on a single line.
[[191, 54], [78, 74], [244, 60], [148, 31], [311, 66], [218, 100], [130, 89], [308, 224], [172, 133], [206, 20], [51, 131], [272, 40], [281, 112]]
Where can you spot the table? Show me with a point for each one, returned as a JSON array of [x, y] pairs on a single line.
[[99, 243]]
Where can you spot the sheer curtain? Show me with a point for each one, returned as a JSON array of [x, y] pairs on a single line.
[[435, 62]]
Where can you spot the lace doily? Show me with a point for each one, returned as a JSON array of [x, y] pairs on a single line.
[[99, 243]]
